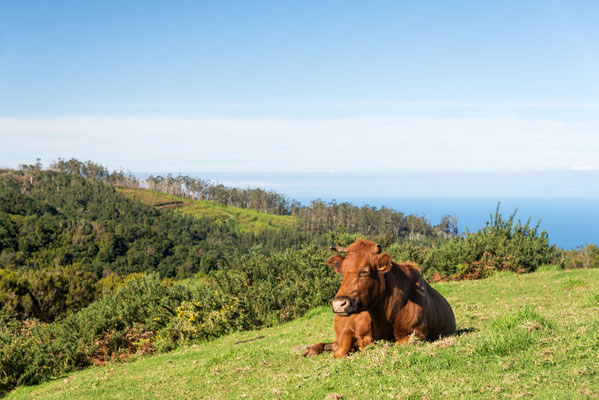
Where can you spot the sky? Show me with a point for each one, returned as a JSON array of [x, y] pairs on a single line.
[[438, 88]]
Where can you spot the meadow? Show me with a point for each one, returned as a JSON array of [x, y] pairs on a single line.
[[240, 219], [520, 335]]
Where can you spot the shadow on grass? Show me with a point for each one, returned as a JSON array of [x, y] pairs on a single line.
[[465, 331], [250, 340], [457, 333]]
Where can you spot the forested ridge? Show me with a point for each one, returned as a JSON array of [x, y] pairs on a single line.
[[89, 275], [61, 233], [319, 216], [51, 219]]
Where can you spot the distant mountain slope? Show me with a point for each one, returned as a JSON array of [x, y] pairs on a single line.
[[243, 219]]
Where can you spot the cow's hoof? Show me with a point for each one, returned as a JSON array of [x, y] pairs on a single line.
[[315, 349]]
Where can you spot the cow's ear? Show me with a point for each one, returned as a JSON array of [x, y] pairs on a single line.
[[335, 262], [384, 263]]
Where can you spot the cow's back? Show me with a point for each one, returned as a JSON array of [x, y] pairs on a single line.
[[439, 316], [424, 311]]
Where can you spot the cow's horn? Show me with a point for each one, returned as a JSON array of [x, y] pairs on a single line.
[[339, 249]]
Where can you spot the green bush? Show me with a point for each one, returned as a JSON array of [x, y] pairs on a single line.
[[207, 314], [261, 290], [45, 294], [147, 314], [26, 354], [501, 245], [107, 329], [582, 257]]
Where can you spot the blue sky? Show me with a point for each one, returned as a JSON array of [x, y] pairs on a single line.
[[326, 86]]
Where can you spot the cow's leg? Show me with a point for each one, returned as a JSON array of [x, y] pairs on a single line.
[[361, 343], [403, 340], [345, 344], [404, 337], [318, 348]]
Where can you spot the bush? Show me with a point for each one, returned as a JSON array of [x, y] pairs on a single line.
[[502, 245], [582, 257], [45, 294], [144, 314], [109, 328], [262, 290], [26, 354]]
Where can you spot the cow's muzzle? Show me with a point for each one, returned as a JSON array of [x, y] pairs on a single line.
[[344, 306]]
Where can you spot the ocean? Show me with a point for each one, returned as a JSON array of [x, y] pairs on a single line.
[[570, 223]]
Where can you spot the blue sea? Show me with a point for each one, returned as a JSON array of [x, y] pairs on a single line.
[[569, 222], [566, 202]]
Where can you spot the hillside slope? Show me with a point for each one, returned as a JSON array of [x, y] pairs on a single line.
[[521, 335], [50, 219], [243, 219]]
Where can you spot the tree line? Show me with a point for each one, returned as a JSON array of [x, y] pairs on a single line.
[[319, 216]]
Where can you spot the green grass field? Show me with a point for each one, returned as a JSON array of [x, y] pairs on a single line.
[[241, 218], [534, 335]]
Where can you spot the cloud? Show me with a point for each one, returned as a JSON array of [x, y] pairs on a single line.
[[359, 105], [584, 168], [364, 144]]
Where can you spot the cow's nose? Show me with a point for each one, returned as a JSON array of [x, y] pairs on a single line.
[[340, 304]]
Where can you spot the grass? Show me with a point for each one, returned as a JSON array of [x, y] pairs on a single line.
[[246, 219], [242, 219], [533, 335]]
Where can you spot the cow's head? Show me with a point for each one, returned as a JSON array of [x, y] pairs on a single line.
[[363, 281]]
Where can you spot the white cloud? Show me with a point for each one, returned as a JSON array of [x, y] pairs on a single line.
[[367, 144], [584, 168]]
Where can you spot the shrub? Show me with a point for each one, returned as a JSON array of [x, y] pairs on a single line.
[[45, 294], [499, 246], [582, 257], [143, 314], [26, 354], [109, 328], [261, 290]]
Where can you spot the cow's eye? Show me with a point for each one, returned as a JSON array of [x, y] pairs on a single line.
[[364, 273]]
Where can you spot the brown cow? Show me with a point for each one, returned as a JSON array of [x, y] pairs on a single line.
[[381, 299]]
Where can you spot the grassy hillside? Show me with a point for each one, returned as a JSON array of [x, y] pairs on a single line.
[[532, 335], [244, 219]]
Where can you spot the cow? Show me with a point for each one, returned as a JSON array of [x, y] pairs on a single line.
[[380, 299]]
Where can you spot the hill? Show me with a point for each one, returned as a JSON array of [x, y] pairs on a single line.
[[242, 219], [531, 335], [62, 233]]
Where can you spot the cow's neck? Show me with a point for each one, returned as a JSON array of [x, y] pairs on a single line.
[[390, 305], [384, 311]]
